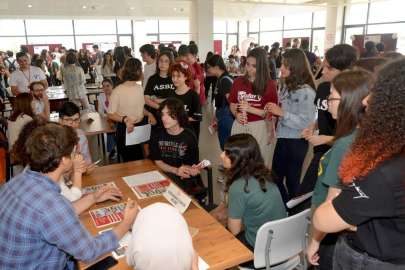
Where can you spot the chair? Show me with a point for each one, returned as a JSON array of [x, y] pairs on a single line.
[[194, 191], [279, 243], [11, 160]]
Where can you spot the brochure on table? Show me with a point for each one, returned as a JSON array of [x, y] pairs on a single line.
[[108, 215], [148, 184], [87, 190]]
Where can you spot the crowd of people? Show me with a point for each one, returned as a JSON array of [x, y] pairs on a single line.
[[350, 109]]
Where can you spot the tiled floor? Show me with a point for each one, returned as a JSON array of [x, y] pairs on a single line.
[[209, 149]]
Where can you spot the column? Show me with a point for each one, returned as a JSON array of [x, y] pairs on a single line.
[[139, 37], [201, 17], [333, 28]]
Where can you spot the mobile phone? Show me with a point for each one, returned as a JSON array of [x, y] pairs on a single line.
[[104, 264], [107, 201]]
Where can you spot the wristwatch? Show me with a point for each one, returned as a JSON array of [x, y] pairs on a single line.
[[123, 119]]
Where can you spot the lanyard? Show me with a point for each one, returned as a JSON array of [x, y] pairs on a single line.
[[281, 100], [29, 75]]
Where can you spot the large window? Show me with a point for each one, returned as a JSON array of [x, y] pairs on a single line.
[[167, 30], [376, 18], [227, 31], [273, 29]]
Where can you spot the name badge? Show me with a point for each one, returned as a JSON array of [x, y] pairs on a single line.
[[177, 198]]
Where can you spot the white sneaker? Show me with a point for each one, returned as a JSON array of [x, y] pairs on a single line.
[[221, 167], [220, 179]]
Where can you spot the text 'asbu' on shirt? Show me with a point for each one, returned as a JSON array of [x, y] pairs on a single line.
[[326, 123]]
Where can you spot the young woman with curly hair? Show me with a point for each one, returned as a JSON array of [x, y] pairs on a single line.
[[126, 106], [373, 172], [347, 92], [181, 74], [174, 148], [253, 197]]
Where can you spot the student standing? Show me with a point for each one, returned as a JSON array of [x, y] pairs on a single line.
[[192, 60], [181, 75], [259, 91], [148, 54], [97, 62], [107, 68], [345, 104], [193, 84], [210, 80], [159, 85], [295, 111], [373, 173], [126, 107], [337, 59]]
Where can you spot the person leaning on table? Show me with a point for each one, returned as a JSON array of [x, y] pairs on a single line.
[[39, 228]]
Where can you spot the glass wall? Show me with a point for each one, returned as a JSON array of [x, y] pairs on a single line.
[[167, 30], [273, 29], [227, 31], [376, 18]]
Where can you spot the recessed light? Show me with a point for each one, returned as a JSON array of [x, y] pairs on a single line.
[[247, 10], [175, 9], [84, 6], [29, 6], [132, 7]]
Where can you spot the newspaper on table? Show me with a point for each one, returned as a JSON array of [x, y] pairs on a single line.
[[108, 215], [269, 120], [87, 190], [148, 184]]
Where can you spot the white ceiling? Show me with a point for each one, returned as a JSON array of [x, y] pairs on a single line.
[[152, 9]]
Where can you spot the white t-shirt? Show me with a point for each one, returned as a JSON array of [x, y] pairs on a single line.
[[230, 66], [57, 54], [39, 106], [23, 80], [148, 70], [10, 61]]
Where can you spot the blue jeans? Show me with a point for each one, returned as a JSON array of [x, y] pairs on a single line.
[[110, 141], [346, 258], [289, 155], [225, 122]]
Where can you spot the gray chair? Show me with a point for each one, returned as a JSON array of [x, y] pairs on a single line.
[[279, 243]]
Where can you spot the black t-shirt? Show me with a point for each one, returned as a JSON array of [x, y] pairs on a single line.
[[326, 123], [85, 64], [272, 67], [174, 150], [223, 87], [376, 205], [191, 101], [159, 87]]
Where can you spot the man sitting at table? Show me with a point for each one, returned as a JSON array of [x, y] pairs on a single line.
[[41, 100], [232, 65], [22, 77], [69, 115], [174, 148], [39, 228]]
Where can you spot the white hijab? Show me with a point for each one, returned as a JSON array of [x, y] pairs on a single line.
[[160, 240]]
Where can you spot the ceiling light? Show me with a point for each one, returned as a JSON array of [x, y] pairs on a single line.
[[84, 6], [175, 9], [247, 10], [132, 7], [29, 6]]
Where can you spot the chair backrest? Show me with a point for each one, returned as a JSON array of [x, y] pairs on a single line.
[[3, 126], [282, 239], [145, 149], [96, 104]]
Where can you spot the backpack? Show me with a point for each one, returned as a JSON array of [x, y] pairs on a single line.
[[11, 67]]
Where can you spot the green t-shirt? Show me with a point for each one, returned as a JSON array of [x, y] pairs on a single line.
[[329, 168], [256, 207]]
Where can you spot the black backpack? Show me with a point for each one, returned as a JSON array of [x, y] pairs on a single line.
[[11, 66]]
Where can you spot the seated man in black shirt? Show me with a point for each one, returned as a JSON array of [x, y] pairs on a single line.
[[174, 148]]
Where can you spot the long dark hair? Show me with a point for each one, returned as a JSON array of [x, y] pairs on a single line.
[[259, 86], [119, 55], [244, 61], [382, 129], [353, 86], [246, 159], [209, 54], [22, 105], [216, 61], [300, 72], [171, 60]]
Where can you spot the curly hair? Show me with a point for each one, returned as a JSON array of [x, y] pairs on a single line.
[[246, 159], [19, 145], [182, 67], [176, 111], [132, 70], [382, 130], [371, 64], [300, 72]]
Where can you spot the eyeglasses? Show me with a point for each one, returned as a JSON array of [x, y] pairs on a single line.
[[71, 121], [164, 61], [329, 99], [38, 90]]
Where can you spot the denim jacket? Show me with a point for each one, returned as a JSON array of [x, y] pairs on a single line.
[[299, 111]]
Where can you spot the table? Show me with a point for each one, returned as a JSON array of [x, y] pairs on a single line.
[[215, 245]]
